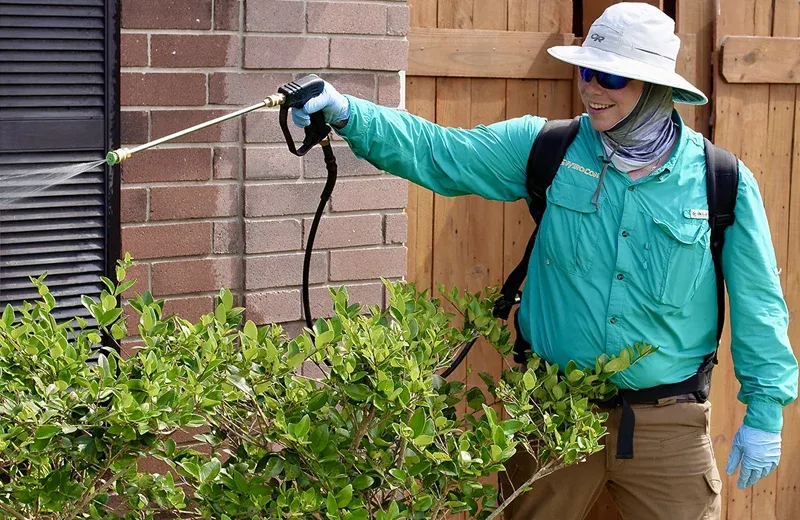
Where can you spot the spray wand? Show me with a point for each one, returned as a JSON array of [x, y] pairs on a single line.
[[294, 94]]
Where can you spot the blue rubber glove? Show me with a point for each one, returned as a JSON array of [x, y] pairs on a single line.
[[759, 453], [334, 106]]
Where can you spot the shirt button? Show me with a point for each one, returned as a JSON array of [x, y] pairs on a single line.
[[620, 276], [613, 320], [547, 261], [625, 234]]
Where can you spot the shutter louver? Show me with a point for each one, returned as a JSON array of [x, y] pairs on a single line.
[[53, 113]]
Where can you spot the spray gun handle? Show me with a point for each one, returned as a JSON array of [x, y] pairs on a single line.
[[297, 94]]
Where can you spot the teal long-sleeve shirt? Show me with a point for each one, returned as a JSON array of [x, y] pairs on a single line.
[[634, 267]]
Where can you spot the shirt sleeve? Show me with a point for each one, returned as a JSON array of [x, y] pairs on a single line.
[[489, 161], [763, 359]]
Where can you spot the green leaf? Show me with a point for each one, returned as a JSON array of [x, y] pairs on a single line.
[[209, 470], [417, 422], [615, 365], [47, 431], [528, 381], [8, 315], [227, 299], [357, 392], [302, 428], [344, 496], [250, 330], [362, 482], [102, 361], [423, 440], [124, 286]]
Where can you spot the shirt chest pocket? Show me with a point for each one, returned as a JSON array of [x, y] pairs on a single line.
[[676, 254], [569, 228]]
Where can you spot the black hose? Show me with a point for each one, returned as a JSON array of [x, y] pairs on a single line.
[[330, 165]]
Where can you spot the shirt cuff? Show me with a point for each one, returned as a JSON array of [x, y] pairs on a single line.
[[360, 116], [764, 414]]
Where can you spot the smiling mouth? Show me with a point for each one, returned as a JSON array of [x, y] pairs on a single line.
[[599, 106]]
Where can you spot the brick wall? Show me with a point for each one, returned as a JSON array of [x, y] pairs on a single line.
[[230, 206]]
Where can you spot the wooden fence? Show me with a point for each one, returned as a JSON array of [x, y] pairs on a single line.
[[481, 61]]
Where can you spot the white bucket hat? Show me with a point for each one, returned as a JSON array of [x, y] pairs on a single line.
[[637, 41]]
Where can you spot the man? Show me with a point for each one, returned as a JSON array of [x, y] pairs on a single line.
[[622, 255]]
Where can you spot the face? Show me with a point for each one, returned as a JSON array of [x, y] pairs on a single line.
[[607, 107]]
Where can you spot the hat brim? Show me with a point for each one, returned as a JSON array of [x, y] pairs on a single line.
[[605, 61]]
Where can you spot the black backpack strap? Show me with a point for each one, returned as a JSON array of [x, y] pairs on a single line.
[[547, 152], [722, 184]]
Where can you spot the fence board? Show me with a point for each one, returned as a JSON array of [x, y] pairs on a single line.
[[754, 59], [485, 54]]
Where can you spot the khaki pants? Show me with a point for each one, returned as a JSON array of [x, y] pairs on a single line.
[[673, 475]]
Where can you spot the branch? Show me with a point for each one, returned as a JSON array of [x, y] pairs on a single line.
[[11, 512], [362, 429], [110, 482], [546, 470]]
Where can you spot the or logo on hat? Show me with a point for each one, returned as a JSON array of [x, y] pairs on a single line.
[[596, 37]]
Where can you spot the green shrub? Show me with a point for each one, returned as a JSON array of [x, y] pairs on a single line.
[[380, 435]]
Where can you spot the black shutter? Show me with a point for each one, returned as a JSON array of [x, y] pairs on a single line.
[[59, 106]]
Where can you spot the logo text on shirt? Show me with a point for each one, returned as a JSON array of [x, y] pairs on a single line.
[[578, 167]]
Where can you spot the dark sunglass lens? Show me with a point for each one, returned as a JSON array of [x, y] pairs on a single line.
[[612, 81], [586, 74]]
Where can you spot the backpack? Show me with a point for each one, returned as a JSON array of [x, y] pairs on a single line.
[[546, 154]]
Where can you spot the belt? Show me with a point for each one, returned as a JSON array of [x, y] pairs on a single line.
[[692, 390]]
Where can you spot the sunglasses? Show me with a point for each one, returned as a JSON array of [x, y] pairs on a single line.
[[604, 79]]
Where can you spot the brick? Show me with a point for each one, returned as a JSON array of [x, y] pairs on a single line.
[[346, 18], [133, 205], [227, 237], [269, 200], [273, 306], [368, 53], [285, 52], [191, 309], [321, 304], [128, 346], [347, 163], [163, 241], [243, 88], [226, 162], [194, 50], [265, 272], [166, 122], [168, 164], [398, 20], [264, 127], [167, 14], [272, 236], [358, 84], [162, 89], [140, 273], [345, 231], [134, 126], [389, 90], [180, 202], [133, 50], [311, 369], [366, 194], [194, 276], [226, 15], [275, 16], [396, 228], [364, 264], [271, 163]]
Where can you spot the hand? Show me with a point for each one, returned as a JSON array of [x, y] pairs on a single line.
[[334, 106], [759, 452]]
